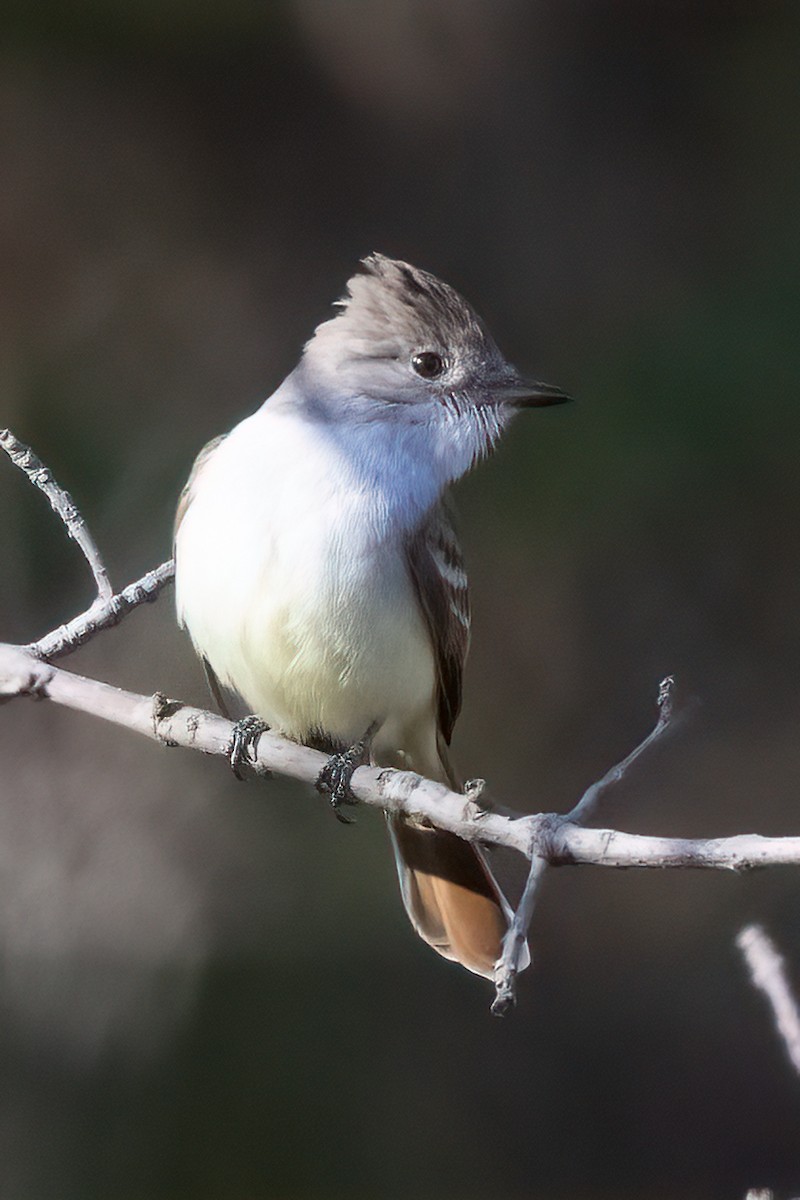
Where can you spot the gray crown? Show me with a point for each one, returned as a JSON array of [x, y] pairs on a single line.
[[392, 306]]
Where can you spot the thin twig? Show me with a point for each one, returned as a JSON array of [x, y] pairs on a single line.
[[585, 807], [768, 973], [62, 504], [516, 956], [106, 609], [80, 629], [515, 945]]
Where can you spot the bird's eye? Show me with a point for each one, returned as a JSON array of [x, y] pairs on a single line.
[[428, 364]]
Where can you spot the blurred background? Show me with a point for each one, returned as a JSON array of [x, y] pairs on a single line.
[[209, 990]]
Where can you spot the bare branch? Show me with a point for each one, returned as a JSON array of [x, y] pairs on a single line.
[[554, 838], [62, 504], [512, 960], [103, 615], [543, 838], [107, 609], [510, 963], [768, 973], [176, 724], [591, 797]]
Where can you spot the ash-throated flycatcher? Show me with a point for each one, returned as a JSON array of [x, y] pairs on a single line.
[[319, 575]]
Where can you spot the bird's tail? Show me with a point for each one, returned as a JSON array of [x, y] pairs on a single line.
[[451, 897]]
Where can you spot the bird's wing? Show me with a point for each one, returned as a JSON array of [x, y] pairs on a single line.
[[440, 581], [450, 895], [187, 494], [184, 501]]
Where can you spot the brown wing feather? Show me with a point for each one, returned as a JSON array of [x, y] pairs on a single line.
[[450, 895], [437, 569]]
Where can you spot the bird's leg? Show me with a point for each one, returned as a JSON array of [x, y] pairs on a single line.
[[243, 745], [244, 740], [334, 778]]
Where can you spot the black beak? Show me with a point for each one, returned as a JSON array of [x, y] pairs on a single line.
[[523, 393]]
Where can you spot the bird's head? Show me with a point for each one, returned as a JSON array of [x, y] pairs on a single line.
[[407, 350]]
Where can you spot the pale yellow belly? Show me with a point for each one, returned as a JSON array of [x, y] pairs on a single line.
[[314, 644], [335, 664]]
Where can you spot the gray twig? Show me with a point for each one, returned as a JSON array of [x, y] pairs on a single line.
[[515, 945], [516, 956], [585, 807], [106, 609], [768, 973], [103, 615], [62, 504]]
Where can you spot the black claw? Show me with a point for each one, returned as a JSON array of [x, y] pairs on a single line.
[[334, 779], [243, 745]]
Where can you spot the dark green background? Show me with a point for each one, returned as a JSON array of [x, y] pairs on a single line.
[[210, 991]]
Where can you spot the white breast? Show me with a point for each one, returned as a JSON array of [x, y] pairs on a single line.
[[292, 585]]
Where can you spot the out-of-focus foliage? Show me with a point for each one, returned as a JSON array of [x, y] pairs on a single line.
[[210, 990]]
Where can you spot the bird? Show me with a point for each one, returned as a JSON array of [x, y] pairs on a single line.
[[319, 574]]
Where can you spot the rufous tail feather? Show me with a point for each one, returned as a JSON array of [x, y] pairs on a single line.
[[451, 897]]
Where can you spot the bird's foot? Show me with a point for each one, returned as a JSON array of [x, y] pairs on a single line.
[[334, 778], [243, 746]]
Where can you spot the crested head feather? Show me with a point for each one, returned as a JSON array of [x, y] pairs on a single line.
[[391, 305]]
